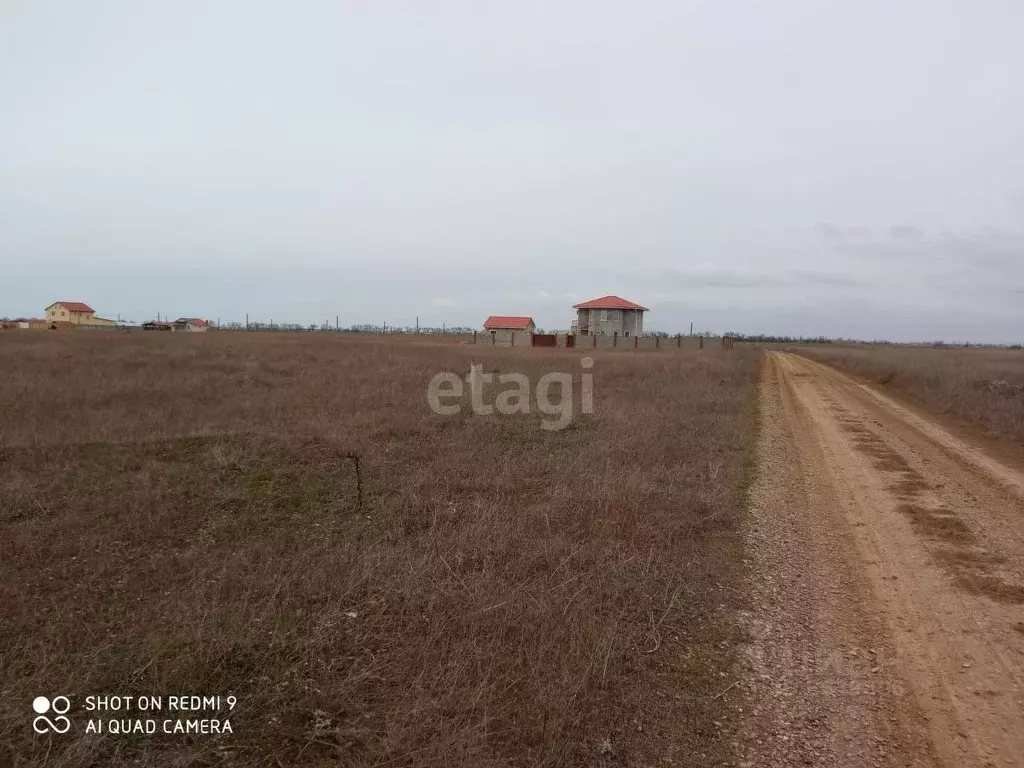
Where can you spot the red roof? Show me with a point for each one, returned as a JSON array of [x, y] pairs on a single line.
[[199, 323], [507, 321], [609, 302], [74, 306]]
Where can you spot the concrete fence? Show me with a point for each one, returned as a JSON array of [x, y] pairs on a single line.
[[522, 339]]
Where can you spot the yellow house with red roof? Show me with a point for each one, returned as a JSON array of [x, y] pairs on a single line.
[[72, 313]]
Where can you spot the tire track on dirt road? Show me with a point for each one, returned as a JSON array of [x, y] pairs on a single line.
[[886, 565]]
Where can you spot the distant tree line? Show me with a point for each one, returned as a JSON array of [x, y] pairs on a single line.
[[255, 325], [458, 330], [769, 339]]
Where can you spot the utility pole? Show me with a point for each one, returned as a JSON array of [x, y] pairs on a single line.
[[337, 323], [417, 324], [691, 327], [247, 321]]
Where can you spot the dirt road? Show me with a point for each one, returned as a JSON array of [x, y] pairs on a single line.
[[886, 560]]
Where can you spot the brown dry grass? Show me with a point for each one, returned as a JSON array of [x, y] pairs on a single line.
[[982, 386], [177, 516]]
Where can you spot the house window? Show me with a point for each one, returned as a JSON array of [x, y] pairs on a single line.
[[627, 334], [604, 315]]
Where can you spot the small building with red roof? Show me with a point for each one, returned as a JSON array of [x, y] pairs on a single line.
[[509, 322], [190, 324], [608, 316], [503, 328]]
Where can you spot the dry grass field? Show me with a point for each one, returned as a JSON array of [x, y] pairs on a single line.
[[984, 387], [179, 515]]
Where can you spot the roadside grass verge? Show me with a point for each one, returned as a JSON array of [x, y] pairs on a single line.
[[984, 387]]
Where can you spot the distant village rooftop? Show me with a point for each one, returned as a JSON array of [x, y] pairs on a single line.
[[73, 306]]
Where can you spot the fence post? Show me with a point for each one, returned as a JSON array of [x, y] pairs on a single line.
[[595, 341], [702, 341], [679, 340], [615, 338], [474, 337], [636, 342], [657, 342]]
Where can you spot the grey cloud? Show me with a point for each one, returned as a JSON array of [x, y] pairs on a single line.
[[813, 277], [907, 244], [718, 277], [905, 232], [962, 271], [842, 234], [992, 249], [829, 231]]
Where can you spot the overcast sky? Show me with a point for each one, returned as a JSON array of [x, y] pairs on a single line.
[[848, 168]]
